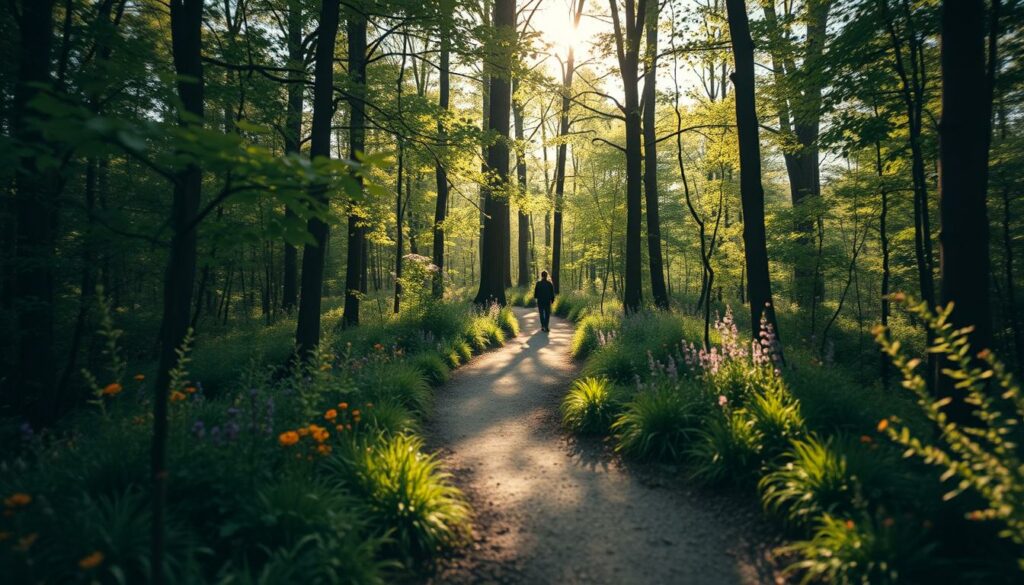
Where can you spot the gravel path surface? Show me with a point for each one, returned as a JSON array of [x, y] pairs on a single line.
[[553, 510]]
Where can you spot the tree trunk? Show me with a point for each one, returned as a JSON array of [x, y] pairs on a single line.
[[441, 174], [293, 138], [307, 332], [186, 43], [759, 286], [495, 243], [355, 269], [35, 203], [964, 136], [651, 161], [523, 248]]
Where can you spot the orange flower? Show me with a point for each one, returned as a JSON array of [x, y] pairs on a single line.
[[343, 405], [369, 405], [378, 347], [888, 522], [112, 389], [177, 396], [288, 438], [303, 432], [91, 560], [849, 524], [883, 424], [323, 449], [865, 439], [356, 413], [331, 414], [140, 377], [190, 389], [339, 428], [18, 500]]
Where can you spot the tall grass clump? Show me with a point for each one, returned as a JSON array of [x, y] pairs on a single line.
[[659, 423], [590, 406], [592, 332]]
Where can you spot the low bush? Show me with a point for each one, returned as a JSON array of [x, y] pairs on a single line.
[[590, 406], [659, 423], [431, 366], [727, 450], [592, 332], [399, 382]]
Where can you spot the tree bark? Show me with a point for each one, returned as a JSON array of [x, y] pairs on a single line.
[[964, 136], [440, 173], [293, 138], [651, 161], [523, 247], [307, 331], [759, 286], [355, 268], [495, 247], [186, 43]]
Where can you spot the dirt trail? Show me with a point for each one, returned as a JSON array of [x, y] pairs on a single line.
[[552, 510]]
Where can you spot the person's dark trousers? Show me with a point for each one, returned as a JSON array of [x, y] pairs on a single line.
[[545, 314]]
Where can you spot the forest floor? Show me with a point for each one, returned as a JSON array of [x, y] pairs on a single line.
[[552, 509]]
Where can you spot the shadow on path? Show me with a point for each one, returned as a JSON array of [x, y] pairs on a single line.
[[551, 510]]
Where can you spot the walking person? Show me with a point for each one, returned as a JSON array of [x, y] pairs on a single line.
[[544, 293]]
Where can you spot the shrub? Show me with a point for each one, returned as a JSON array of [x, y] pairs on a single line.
[[589, 407], [398, 382], [508, 322], [870, 550], [591, 333], [812, 479], [777, 418], [406, 489], [983, 453], [728, 450], [431, 366], [464, 350], [658, 424], [390, 418]]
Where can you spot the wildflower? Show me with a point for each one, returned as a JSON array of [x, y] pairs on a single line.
[[26, 542], [888, 522], [984, 354], [112, 389], [323, 449], [722, 400], [331, 414], [378, 347], [91, 561], [883, 424], [288, 438], [369, 405], [190, 389], [850, 525], [199, 429], [343, 405], [303, 432], [18, 500], [339, 428], [177, 396], [865, 439], [140, 377]]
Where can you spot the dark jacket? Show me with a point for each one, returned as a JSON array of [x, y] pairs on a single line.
[[544, 292]]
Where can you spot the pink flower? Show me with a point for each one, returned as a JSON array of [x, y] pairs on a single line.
[[722, 400]]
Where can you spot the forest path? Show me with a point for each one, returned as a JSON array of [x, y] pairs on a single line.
[[554, 510]]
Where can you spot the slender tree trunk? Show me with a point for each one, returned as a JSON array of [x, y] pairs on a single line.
[[441, 174], [293, 138], [759, 286], [307, 332], [186, 43], [399, 213], [883, 236], [964, 137], [523, 247], [495, 244], [355, 269], [651, 161], [627, 39]]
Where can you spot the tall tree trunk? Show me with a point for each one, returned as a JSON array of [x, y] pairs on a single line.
[[964, 136], [627, 40], [35, 203], [759, 286], [560, 155], [399, 214], [186, 44], [523, 247], [441, 174], [307, 331], [495, 243], [293, 138], [883, 236], [651, 161], [355, 269]]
